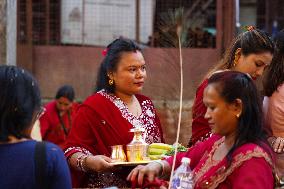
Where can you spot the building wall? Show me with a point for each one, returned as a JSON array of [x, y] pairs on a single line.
[[3, 12], [56, 65]]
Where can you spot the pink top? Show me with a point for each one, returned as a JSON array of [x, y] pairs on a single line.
[[273, 108]]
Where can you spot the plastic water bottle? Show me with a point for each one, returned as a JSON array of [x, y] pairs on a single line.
[[182, 178]]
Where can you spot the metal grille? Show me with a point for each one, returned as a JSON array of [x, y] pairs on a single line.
[[97, 22], [22, 20]]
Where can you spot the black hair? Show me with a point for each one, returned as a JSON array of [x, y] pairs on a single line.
[[20, 99], [251, 42], [114, 52], [274, 75], [232, 85], [66, 91]]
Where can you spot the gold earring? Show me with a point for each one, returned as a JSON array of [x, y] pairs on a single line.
[[235, 61], [110, 82], [238, 115]]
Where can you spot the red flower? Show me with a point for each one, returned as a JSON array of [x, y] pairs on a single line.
[[104, 52]]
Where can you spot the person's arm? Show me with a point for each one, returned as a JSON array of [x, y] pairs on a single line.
[[253, 173], [82, 140], [150, 171], [90, 163], [163, 168]]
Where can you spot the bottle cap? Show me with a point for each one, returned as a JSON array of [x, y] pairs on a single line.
[[185, 160]]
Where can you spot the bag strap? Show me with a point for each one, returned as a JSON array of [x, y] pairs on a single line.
[[40, 165]]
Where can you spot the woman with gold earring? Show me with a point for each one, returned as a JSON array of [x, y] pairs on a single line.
[[105, 118], [250, 52]]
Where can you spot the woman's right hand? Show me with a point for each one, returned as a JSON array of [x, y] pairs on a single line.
[[98, 163], [150, 171]]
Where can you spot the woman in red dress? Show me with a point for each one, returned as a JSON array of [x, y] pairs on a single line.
[[106, 117], [56, 122], [237, 155], [250, 52]]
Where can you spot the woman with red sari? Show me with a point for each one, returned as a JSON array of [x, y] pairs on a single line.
[[250, 52], [106, 117], [237, 155], [56, 122]]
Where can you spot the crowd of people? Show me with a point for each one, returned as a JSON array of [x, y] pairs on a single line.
[[237, 139]]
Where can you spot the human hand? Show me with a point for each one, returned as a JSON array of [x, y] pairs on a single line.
[[99, 163], [150, 171], [278, 145]]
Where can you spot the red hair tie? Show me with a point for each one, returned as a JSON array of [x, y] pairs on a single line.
[[104, 52]]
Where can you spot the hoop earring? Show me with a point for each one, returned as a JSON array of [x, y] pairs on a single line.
[[110, 82]]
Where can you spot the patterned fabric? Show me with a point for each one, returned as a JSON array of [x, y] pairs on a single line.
[[146, 120], [102, 121], [251, 166]]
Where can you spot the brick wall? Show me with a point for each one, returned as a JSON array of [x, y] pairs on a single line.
[[2, 31]]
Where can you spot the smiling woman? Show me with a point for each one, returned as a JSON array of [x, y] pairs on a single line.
[[250, 52], [106, 117]]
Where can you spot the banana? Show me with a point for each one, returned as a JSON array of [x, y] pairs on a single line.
[[154, 157], [156, 151], [161, 146]]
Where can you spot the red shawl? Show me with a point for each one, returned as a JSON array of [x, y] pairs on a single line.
[[200, 126], [103, 121]]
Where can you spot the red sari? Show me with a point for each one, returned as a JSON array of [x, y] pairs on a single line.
[[200, 127], [52, 128], [251, 166], [103, 120]]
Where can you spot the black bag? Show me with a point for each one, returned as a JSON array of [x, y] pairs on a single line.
[[40, 166]]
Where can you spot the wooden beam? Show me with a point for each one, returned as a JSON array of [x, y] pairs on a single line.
[[47, 22], [137, 21]]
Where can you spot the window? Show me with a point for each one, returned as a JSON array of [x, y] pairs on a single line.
[[200, 16], [45, 19]]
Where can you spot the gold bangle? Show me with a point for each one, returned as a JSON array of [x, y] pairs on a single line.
[[83, 163], [80, 162]]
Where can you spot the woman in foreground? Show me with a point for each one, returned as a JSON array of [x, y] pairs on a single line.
[[236, 156]]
